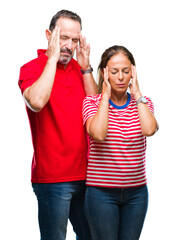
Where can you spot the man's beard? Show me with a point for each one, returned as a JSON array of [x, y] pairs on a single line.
[[64, 59]]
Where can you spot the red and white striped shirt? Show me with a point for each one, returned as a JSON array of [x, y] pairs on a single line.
[[119, 160]]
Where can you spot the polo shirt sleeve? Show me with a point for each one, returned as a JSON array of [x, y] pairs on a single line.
[[27, 77], [89, 108], [150, 105]]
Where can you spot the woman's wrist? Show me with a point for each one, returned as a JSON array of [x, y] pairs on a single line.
[[105, 97], [137, 95]]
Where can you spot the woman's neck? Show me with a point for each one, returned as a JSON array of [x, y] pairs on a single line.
[[119, 99]]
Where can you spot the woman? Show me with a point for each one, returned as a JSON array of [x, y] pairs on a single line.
[[118, 123]]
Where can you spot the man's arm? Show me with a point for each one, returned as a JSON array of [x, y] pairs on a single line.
[[83, 52], [39, 93], [89, 84]]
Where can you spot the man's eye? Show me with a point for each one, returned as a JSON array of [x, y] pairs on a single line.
[[75, 40], [63, 38]]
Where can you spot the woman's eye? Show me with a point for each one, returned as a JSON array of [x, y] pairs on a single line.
[[113, 72], [126, 72]]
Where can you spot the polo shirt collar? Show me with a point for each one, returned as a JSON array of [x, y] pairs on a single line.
[[42, 55]]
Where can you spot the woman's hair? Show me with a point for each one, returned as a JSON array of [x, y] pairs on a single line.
[[106, 56], [64, 14]]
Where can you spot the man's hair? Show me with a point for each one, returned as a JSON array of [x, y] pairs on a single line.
[[64, 14]]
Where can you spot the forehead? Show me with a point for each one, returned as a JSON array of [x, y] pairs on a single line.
[[119, 60], [69, 26]]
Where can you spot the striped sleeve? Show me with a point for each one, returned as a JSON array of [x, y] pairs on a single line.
[[89, 108], [150, 105]]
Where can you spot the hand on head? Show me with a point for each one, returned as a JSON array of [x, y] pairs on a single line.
[[82, 53], [134, 86], [53, 50], [106, 89]]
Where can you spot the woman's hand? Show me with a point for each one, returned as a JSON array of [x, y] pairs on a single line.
[[134, 86], [106, 90]]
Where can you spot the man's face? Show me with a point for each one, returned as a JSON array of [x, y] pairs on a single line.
[[69, 38]]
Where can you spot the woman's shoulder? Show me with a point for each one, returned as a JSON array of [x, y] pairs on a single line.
[[147, 98], [92, 101], [93, 98]]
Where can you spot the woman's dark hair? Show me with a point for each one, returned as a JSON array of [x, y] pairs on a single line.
[[106, 56], [64, 14]]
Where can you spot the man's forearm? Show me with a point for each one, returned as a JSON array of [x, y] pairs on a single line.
[[39, 93], [90, 85]]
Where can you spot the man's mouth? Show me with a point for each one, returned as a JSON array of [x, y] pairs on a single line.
[[66, 51]]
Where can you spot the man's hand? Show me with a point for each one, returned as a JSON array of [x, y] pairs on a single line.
[[82, 53], [53, 50]]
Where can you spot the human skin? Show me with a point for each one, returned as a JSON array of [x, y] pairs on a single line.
[[62, 43], [117, 79]]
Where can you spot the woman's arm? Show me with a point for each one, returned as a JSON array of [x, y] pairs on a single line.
[[97, 126], [148, 122]]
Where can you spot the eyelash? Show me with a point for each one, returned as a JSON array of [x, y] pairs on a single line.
[[116, 73], [74, 40]]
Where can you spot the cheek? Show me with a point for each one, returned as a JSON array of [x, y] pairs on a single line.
[[128, 77], [62, 44], [112, 77], [112, 81], [74, 46]]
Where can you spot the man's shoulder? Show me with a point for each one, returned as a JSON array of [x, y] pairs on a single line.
[[36, 61], [31, 63]]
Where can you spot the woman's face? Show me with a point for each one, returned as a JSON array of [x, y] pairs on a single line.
[[119, 67]]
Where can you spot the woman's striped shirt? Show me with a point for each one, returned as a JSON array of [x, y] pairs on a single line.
[[119, 160]]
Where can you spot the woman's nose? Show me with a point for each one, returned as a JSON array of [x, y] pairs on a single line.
[[120, 76]]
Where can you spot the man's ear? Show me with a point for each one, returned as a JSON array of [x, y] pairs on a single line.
[[48, 34]]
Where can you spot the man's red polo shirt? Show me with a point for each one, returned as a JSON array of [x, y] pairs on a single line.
[[58, 135]]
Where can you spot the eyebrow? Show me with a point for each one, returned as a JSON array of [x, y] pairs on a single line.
[[67, 35], [117, 69]]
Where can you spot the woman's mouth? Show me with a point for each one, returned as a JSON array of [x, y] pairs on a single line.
[[121, 85]]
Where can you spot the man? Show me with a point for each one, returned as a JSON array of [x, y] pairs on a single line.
[[54, 86]]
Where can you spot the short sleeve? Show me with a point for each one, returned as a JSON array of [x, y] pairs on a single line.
[[90, 108], [27, 77], [150, 105]]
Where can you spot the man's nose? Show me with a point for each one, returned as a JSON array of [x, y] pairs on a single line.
[[69, 44]]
